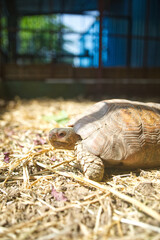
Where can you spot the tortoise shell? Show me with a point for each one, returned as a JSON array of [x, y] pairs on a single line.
[[122, 131]]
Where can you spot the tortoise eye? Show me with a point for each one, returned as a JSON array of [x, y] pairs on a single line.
[[62, 134]]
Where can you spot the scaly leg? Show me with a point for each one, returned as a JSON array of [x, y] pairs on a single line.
[[91, 165]]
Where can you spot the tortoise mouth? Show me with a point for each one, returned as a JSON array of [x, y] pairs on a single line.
[[62, 145]]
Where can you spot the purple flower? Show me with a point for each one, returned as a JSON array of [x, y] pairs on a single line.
[[6, 157], [53, 158], [59, 196], [39, 141]]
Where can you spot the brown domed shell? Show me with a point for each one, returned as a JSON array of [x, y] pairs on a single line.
[[116, 129]]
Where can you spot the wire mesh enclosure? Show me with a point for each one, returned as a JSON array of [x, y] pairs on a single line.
[[130, 34]]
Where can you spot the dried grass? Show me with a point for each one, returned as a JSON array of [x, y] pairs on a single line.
[[43, 196]]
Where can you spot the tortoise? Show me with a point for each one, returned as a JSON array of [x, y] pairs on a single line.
[[115, 132]]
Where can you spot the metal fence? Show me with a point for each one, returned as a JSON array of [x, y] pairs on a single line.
[[130, 37]]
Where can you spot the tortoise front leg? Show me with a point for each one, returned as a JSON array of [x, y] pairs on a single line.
[[91, 165]]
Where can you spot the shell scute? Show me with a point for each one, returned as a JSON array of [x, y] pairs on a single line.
[[118, 129], [91, 120]]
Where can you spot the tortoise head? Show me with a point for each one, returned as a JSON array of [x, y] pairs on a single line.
[[63, 138]]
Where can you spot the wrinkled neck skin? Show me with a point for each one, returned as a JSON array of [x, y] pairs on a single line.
[[63, 138]]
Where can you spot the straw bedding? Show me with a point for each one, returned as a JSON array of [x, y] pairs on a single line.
[[43, 195]]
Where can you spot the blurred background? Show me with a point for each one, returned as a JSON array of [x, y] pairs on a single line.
[[57, 48]]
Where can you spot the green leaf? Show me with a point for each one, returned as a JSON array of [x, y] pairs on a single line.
[[61, 118]]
